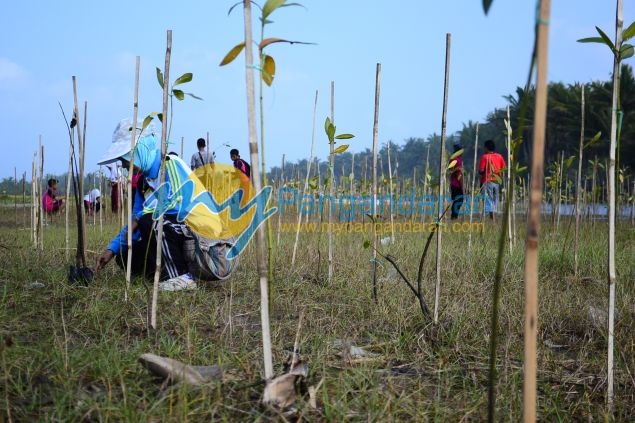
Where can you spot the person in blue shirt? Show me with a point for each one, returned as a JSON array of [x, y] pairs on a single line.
[[176, 268]]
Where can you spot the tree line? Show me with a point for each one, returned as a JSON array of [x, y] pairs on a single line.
[[408, 160]]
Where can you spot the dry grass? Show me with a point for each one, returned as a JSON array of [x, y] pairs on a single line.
[[69, 353]]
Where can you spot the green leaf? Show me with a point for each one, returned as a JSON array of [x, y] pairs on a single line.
[[591, 40], [147, 121], [180, 95], [593, 140], [329, 128], [371, 217], [344, 136], [342, 148], [194, 96], [291, 4], [232, 8], [330, 132], [366, 244], [264, 43], [268, 70], [160, 77], [313, 183], [233, 53], [270, 6], [606, 38], [186, 77], [486, 5], [629, 32], [626, 51]]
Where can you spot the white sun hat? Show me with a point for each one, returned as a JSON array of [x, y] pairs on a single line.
[[121, 140]]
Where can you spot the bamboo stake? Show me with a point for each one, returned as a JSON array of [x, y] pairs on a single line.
[[133, 138], [352, 175], [24, 198], [306, 181], [164, 147], [34, 205], [472, 196], [281, 184], [69, 176], [81, 237], [101, 191], [16, 192], [561, 177], [611, 206], [41, 216], [425, 180], [533, 221], [392, 222], [331, 186], [442, 167], [374, 172], [509, 197], [578, 186], [261, 242]]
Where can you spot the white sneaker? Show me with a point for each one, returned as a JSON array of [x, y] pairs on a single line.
[[179, 283]]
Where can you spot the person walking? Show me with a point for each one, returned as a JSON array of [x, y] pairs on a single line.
[[202, 157], [491, 170]]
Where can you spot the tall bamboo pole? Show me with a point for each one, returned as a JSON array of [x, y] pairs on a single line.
[[164, 150], [81, 228], [442, 167], [425, 180], [68, 190], [133, 139], [34, 206], [41, 214], [611, 204], [578, 191], [16, 191], [392, 198], [472, 194], [261, 242], [306, 180], [510, 191], [280, 185], [533, 221], [331, 186], [374, 172]]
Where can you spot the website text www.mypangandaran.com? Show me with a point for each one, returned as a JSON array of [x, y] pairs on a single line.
[[380, 228]]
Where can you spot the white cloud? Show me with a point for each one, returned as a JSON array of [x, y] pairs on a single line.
[[10, 71]]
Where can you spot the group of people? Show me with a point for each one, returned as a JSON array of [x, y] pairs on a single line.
[[52, 203], [204, 157], [490, 169], [188, 256]]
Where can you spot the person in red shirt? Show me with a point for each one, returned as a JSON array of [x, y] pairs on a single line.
[[50, 203], [491, 169]]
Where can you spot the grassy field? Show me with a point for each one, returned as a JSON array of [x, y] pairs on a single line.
[[70, 353]]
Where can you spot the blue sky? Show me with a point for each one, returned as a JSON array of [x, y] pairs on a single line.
[[46, 43]]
